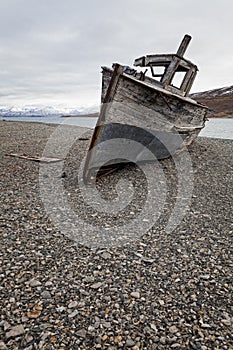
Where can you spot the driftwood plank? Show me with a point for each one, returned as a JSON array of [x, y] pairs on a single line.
[[35, 158]]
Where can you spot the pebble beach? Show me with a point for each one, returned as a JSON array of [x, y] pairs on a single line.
[[163, 290]]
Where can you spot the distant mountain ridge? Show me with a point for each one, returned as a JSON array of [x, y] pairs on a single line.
[[36, 111], [45, 111], [219, 101]]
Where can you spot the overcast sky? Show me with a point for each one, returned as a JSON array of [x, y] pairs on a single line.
[[51, 51]]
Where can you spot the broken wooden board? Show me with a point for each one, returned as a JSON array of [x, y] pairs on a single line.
[[35, 158]]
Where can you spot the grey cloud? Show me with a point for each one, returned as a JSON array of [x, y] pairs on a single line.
[[54, 49]]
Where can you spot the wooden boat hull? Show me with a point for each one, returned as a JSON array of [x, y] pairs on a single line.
[[144, 113]]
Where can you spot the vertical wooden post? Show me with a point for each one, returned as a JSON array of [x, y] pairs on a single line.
[[118, 71], [183, 46]]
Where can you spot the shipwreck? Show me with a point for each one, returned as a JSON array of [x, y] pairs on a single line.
[[146, 106]]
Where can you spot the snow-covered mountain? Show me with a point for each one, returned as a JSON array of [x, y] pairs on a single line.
[[43, 111], [220, 101]]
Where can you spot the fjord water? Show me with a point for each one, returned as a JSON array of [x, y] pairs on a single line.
[[221, 128], [85, 122]]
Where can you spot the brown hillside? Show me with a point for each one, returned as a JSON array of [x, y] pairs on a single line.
[[219, 101]]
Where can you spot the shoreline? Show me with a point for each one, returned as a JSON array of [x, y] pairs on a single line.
[[89, 115], [208, 133], [161, 290]]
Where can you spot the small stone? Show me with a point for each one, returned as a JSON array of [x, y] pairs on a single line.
[[91, 329], [107, 324], [97, 324], [106, 256], [175, 345], [72, 304], [118, 339], [81, 333], [98, 340], [89, 279], [3, 346], [201, 335], [15, 332], [83, 292], [96, 285], [226, 322], [135, 348], [153, 326], [33, 314], [205, 325], [28, 338], [173, 329], [46, 295], [34, 283], [129, 343], [135, 295], [60, 309], [53, 339], [48, 284], [81, 304], [6, 325], [38, 308], [73, 314], [205, 277], [162, 340], [45, 326]]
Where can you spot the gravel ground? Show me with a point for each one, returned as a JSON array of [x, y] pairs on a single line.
[[163, 290]]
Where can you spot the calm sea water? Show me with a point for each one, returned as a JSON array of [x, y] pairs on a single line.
[[216, 128], [221, 128], [78, 121]]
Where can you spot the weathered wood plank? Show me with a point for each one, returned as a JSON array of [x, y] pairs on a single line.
[[132, 114], [35, 158], [190, 83], [158, 60], [139, 61], [118, 70], [147, 108], [183, 46], [166, 80], [186, 80]]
